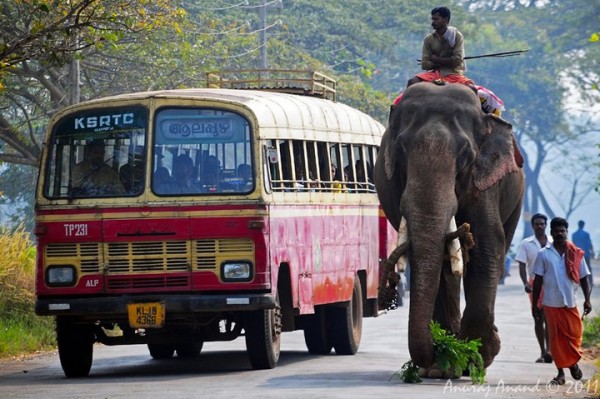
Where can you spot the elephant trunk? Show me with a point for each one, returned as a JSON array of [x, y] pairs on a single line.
[[428, 209], [425, 270]]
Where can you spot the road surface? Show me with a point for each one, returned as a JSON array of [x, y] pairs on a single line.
[[223, 371]]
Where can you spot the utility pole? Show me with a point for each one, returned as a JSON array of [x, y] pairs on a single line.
[[74, 82], [74, 76]]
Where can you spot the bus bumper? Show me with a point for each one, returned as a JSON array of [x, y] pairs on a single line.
[[174, 304]]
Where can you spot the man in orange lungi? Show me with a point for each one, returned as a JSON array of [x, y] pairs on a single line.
[[560, 268]]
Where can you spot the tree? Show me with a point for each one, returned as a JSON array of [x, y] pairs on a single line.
[[537, 87], [38, 38], [51, 32]]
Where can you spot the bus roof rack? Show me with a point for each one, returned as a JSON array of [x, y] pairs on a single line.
[[301, 82]]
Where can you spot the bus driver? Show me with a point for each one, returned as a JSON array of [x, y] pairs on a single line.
[[94, 177]]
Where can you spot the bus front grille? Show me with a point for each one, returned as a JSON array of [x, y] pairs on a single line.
[[126, 283], [210, 253], [87, 255], [150, 256]]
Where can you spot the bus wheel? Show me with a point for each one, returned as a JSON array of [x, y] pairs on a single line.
[[345, 324], [161, 351], [315, 333], [75, 347], [189, 350], [263, 337]]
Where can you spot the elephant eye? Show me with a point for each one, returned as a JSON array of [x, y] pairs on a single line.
[[466, 156]]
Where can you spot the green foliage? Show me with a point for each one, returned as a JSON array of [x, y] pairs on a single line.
[[25, 334], [451, 354], [369, 47], [50, 31], [409, 373], [457, 355], [591, 331], [21, 330]]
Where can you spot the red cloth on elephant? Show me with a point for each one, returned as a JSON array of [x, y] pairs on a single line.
[[573, 255], [565, 331], [436, 75]]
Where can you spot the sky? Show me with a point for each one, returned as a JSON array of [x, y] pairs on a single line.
[[557, 189]]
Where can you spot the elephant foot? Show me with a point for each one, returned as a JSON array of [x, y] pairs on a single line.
[[435, 372], [490, 348]]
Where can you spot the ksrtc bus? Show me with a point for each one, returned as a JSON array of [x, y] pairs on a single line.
[[173, 218]]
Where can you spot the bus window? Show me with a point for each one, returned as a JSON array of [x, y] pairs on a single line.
[[339, 174], [346, 153], [90, 148], [314, 174], [202, 151], [286, 164], [371, 156], [324, 166]]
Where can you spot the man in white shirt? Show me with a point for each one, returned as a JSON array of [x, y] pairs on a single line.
[[526, 254], [561, 269]]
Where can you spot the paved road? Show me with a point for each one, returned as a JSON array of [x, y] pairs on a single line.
[[223, 371]]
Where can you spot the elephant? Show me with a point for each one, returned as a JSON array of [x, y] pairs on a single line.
[[441, 157]]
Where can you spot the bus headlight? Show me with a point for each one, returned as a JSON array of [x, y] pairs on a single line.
[[236, 271], [58, 276]]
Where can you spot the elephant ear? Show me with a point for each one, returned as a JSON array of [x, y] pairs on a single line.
[[496, 156], [389, 157], [388, 143]]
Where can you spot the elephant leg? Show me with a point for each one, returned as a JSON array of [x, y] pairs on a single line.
[[447, 313], [481, 283]]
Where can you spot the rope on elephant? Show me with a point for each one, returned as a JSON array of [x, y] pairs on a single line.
[[463, 233], [388, 294]]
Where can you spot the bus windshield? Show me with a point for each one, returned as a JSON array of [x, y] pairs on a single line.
[[97, 153], [201, 151], [102, 153]]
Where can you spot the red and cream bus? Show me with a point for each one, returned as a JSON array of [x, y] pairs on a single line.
[[173, 218]]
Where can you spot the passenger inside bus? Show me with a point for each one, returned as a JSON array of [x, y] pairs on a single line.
[[211, 171], [162, 179], [183, 180], [132, 177], [338, 180], [244, 173], [93, 176], [364, 180]]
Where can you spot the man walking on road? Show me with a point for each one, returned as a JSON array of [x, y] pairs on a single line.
[[560, 268], [526, 254], [582, 239]]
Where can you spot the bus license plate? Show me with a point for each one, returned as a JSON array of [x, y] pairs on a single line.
[[146, 315]]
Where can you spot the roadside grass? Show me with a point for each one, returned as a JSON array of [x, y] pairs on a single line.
[[21, 331], [591, 343]]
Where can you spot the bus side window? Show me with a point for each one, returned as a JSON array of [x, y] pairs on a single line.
[[337, 171], [350, 176], [286, 162], [324, 167], [314, 179]]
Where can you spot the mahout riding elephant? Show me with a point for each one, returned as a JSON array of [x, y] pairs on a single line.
[[442, 157]]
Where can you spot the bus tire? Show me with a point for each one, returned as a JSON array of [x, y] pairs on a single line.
[[345, 324], [161, 351], [263, 337], [189, 350], [75, 347], [315, 333]]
